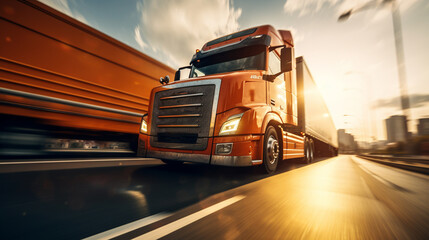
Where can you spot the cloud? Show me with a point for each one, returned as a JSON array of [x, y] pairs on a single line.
[[306, 7], [138, 38], [64, 7], [176, 28], [416, 101], [404, 5]]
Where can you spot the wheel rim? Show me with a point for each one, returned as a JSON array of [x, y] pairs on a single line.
[[272, 149]]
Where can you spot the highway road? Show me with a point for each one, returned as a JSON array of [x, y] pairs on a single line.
[[344, 197]]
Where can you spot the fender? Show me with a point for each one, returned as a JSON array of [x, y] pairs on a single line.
[[270, 116]]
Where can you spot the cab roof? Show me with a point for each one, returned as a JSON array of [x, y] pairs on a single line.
[[278, 37]]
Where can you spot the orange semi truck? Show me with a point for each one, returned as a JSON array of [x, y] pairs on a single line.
[[246, 101], [61, 79]]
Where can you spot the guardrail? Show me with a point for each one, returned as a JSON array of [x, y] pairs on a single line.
[[418, 164]]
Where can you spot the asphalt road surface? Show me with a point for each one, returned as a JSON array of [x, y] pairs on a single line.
[[337, 198]]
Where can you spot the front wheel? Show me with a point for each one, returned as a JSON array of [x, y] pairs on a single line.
[[271, 150]]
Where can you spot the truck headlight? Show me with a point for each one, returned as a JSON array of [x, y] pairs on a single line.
[[143, 126], [231, 125]]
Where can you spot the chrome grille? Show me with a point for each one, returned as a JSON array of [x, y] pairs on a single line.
[[181, 117]]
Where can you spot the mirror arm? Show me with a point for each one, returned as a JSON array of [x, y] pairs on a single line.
[[177, 74], [275, 47], [272, 77]]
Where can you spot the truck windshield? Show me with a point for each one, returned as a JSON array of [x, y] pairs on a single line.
[[249, 58]]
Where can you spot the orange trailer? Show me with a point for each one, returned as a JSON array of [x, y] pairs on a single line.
[[62, 78], [240, 106]]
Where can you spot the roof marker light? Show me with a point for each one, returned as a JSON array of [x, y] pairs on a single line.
[[257, 36]]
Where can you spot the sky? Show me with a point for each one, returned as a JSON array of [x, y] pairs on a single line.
[[353, 62]]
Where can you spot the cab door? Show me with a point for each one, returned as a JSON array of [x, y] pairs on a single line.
[[277, 93]]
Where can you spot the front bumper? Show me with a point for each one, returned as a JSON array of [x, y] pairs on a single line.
[[179, 156], [237, 161], [244, 152]]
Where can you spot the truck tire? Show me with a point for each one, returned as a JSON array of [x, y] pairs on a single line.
[[313, 149], [271, 150], [308, 150]]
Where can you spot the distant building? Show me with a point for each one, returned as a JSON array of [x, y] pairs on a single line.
[[346, 142], [396, 128], [423, 127]]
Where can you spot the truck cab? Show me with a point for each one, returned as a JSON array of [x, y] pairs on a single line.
[[233, 107]]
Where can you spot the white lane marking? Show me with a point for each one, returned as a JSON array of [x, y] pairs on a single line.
[[171, 227], [80, 161], [374, 175], [366, 187], [109, 234]]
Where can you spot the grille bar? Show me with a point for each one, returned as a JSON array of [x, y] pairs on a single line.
[[182, 96], [179, 126], [182, 105], [183, 115], [180, 116]]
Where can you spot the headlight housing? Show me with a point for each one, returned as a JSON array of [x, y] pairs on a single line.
[[231, 125], [143, 126]]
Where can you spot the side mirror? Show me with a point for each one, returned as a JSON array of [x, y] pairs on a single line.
[[286, 59], [178, 74], [164, 80]]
